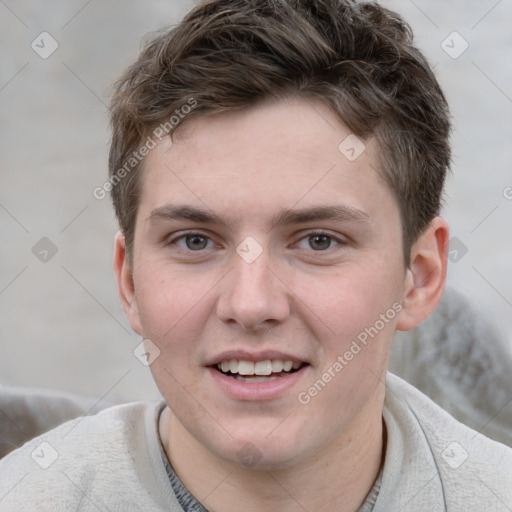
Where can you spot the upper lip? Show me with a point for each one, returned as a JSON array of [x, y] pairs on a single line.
[[245, 355]]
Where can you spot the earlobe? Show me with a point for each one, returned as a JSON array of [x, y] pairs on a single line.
[[426, 276], [125, 282]]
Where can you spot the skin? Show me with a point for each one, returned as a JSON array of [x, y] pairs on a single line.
[[245, 168]]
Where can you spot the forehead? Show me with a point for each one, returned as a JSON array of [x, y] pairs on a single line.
[[275, 154]]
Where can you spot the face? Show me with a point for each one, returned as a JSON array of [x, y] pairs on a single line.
[[268, 271]]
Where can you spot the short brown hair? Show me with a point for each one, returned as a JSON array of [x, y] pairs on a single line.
[[356, 57]]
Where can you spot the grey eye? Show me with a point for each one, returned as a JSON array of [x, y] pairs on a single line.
[[319, 242], [196, 242]]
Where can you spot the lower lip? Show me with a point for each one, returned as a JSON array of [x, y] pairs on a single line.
[[256, 390]]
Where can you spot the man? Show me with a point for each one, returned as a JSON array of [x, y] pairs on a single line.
[[276, 168]]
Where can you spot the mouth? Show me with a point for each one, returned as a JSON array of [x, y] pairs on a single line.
[[257, 371]]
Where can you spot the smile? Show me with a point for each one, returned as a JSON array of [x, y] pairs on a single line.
[[262, 378], [257, 371]]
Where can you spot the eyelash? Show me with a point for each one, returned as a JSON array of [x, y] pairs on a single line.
[[337, 240]]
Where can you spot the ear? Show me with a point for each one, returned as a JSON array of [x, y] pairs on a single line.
[[125, 282], [426, 276]]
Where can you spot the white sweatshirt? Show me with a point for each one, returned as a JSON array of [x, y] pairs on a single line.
[[113, 462]]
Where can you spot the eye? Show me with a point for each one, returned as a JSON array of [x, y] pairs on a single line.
[[318, 242], [192, 242]]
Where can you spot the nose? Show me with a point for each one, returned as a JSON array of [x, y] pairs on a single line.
[[253, 295]]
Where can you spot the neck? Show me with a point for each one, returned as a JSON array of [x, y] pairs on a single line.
[[338, 477]]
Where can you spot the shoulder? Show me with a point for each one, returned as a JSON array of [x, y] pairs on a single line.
[[469, 468], [93, 458]]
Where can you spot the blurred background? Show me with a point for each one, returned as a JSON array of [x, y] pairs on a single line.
[[62, 326]]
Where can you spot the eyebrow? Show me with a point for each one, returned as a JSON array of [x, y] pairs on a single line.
[[340, 213]]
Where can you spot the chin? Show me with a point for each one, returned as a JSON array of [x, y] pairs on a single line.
[[258, 452]]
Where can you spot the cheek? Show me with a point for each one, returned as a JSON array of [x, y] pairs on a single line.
[[174, 314], [355, 317], [346, 303], [167, 302]]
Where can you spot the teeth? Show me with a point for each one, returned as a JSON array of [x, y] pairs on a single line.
[[243, 367], [278, 366], [287, 366], [260, 368], [267, 367]]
